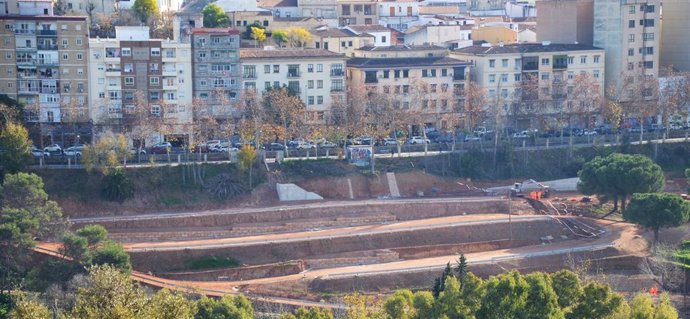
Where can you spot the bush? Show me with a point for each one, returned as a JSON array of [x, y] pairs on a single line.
[[227, 186], [211, 262], [117, 186], [112, 253]]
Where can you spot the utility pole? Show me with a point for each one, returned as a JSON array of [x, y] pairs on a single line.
[[510, 214]]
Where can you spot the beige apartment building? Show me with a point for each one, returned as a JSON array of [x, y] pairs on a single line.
[[428, 87], [565, 21], [339, 40], [354, 12], [44, 65], [629, 32], [675, 47], [532, 84]]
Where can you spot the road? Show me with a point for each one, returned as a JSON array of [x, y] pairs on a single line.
[[163, 160]]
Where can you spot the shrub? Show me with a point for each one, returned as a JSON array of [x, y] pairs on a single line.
[[117, 186]]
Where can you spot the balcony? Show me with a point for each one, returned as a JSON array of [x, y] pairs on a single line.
[[24, 31], [337, 72], [47, 47], [249, 76], [50, 90], [459, 77], [28, 90], [560, 66], [47, 62], [48, 32], [113, 72], [530, 66], [169, 72], [371, 80], [293, 74]]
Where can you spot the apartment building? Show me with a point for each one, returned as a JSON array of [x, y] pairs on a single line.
[[216, 68], [353, 12], [26, 7], [317, 76], [398, 14], [675, 47], [447, 35], [43, 65], [429, 87], [532, 84], [383, 36], [323, 9], [565, 21], [401, 51], [127, 75], [339, 40], [629, 32]]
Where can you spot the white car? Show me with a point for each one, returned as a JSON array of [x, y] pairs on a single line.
[[590, 133], [54, 148], [73, 151], [472, 138], [522, 134], [37, 152], [212, 143], [227, 149], [390, 141], [327, 144], [418, 140]]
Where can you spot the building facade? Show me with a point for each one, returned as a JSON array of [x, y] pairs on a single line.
[[216, 68], [398, 15], [675, 47], [535, 85], [428, 88], [139, 82], [565, 21], [629, 31], [44, 66], [316, 76], [339, 40], [353, 12]]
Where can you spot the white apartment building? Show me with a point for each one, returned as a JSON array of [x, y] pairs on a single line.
[[317, 76], [537, 78], [629, 31], [159, 70], [382, 35], [398, 15]]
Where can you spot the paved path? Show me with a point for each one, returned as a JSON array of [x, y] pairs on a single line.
[[559, 185]]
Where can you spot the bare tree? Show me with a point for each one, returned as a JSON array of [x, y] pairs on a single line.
[[475, 104], [286, 110], [587, 97], [674, 96], [638, 97]]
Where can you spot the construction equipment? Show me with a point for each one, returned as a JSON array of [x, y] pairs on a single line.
[[531, 188]]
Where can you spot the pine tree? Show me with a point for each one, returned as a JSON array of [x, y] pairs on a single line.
[[462, 269]]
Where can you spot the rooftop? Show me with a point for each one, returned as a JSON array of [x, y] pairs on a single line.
[[276, 3], [324, 31], [287, 53], [368, 28], [439, 10], [377, 63], [44, 18], [214, 31], [399, 48], [525, 48]]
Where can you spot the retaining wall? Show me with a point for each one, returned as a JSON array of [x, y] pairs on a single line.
[[524, 232], [239, 273]]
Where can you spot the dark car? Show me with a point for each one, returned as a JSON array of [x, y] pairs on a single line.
[[274, 147], [161, 148]]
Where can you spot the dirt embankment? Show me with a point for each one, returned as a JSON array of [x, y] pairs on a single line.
[[524, 233], [239, 273]]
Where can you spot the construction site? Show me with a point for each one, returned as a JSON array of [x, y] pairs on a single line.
[[310, 250]]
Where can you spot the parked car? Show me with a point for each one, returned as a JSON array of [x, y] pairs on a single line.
[[161, 148], [327, 144], [589, 133], [521, 135], [227, 149], [53, 148], [135, 151], [657, 127], [73, 151], [390, 141], [418, 140], [37, 152], [212, 143], [676, 126], [637, 129], [472, 138], [481, 131]]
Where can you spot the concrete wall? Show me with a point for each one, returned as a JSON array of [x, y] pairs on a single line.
[[565, 21], [239, 273]]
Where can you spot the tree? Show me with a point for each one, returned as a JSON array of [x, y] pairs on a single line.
[[112, 253], [145, 9], [461, 270], [106, 153], [298, 37], [597, 301], [29, 309], [15, 147], [94, 234], [440, 282], [399, 305], [214, 17], [642, 307], [475, 104], [284, 109], [506, 297], [423, 304], [170, 305], [567, 287], [617, 176], [280, 37], [542, 301], [665, 309], [247, 159], [655, 211], [117, 187], [227, 307], [258, 34], [312, 313]]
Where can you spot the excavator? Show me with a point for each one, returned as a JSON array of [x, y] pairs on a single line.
[[531, 188]]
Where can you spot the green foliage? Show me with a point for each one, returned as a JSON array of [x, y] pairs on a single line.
[[400, 304], [106, 154], [440, 282], [145, 9], [15, 147], [94, 234], [542, 301], [506, 297], [312, 313], [567, 287], [75, 247], [227, 307], [280, 37], [30, 309], [112, 253], [214, 17], [619, 175], [210, 262], [247, 34], [657, 210], [117, 186], [170, 305], [6, 304], [597, 301]]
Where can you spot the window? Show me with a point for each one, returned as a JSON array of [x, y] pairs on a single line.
[[170, 96], [80, 71], [276, 68], [425, 73], [156, 110], [319, 68], [155, 81], [545, 61], [126, 52], [631, 24], [433, 88], [396, 73], [310, 68], [631, 66], [310, 100], [648, 36], [545, 76], [631, 52], [80, 56], [267, 85], [79, 42], [319, 84], [631, 10], [648, 64], [319, 100], [597, 58], [155, 51], [571, 60], [444, 72], [202, 55], [647, 22], [504, 93], [383, 39], [406, 89], [631, 38], [406, 73], [595, 73], [386, 74], [647, 50], [504, 78], [336, 85], [267, 69], [492, 78], [649, 8], [492, 63], [153, 67], [64, 43], [154, 96], [433, 73], [504, 63], [517, 77], [310, 84], [65, 56], [583, 59]]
